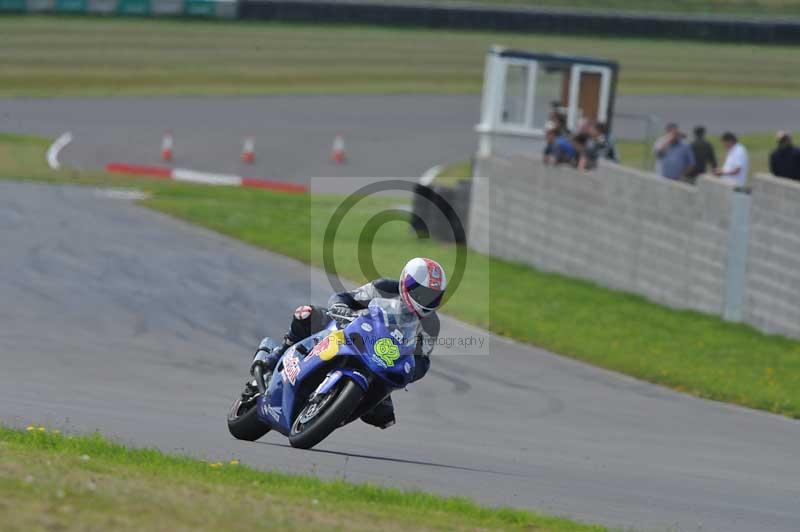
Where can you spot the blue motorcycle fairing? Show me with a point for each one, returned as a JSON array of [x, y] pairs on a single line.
[[336, 375], [395, 372], [277, 406], [381, 353]]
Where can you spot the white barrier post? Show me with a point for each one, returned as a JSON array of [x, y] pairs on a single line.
[[737, 255]]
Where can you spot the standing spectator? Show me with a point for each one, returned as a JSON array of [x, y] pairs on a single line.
[[585, 144], [674, 158], [586, 151], [605, 145], [737, 162], [584, 126], [704, 157], [558, 118], [558, 149], [561, 124], [785, 160]]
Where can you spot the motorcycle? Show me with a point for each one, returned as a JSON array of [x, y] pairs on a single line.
[[331, 378]]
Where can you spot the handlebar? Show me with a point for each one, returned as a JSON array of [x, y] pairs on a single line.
[[346, 317]]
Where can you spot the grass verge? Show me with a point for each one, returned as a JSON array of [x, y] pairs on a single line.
[[49, 481], [454, 173], [685, 350], [85, 56]]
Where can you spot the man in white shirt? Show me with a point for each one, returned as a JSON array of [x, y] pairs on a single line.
[[737, 163]]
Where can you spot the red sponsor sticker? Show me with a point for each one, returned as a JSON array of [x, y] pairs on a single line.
[[434, 275], [321, 346], [291, 368]]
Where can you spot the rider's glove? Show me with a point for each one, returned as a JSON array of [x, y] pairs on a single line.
[[340, 310]]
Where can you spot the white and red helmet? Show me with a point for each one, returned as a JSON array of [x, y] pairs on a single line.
[[422, 285]]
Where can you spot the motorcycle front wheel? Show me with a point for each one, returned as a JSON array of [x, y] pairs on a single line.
[[318, 419]]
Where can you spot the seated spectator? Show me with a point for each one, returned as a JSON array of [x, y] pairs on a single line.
[[785, 160], [705, 159], [586, 151], [605, 145], [558, 149], [737, 163], [674, 158]]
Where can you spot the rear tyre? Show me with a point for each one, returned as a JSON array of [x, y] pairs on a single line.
[[243, 421], [317, 420]]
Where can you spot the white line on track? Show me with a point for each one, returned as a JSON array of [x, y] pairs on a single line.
[[181, 174], [55, 147], [121, 194], [430, 174]]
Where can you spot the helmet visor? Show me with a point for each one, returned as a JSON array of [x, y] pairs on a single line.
[[426, 297]]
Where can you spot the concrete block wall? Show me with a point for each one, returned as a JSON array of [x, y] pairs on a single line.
[[620, 227], [772, 292]]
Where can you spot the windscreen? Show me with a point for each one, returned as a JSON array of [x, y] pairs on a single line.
[[401, 322]]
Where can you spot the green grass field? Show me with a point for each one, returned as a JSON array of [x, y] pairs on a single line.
[[688, 351], [49, 481], [48, 56]]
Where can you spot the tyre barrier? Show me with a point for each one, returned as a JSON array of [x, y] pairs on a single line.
[[441, 211], [516, 19], [697, 27], [221, 9]]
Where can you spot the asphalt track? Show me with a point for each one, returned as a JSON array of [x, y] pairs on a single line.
[[397, 135], [119, 319]]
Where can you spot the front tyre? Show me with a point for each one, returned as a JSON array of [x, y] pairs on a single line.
[[318, 419], [243, 421]]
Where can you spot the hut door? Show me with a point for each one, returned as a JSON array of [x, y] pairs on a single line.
[[589, 94]]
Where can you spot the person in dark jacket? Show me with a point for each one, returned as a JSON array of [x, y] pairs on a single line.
[[785, 160], [705, 160], [558, 148], [606, 147]]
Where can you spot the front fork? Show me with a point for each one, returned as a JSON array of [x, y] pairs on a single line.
[[338, 374], [258, 368]]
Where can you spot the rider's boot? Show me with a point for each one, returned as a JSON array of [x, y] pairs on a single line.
[[305, 320], [382, 415], [250, 391]]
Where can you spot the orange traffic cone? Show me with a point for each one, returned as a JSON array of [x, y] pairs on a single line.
[[166, 146], [337, 150], [248, 150]]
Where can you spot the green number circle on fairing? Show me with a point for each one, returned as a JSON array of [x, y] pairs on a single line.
[[387, 351]]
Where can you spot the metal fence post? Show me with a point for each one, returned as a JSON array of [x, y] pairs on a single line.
[[736, 269], [650, 123]]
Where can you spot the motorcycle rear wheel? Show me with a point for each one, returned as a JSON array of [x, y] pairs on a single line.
[[333, 410], [244, 424]]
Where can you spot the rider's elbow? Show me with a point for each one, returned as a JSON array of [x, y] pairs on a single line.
[[422, 364]]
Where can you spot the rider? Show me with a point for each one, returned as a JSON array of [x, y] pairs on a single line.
[[421, 287]]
